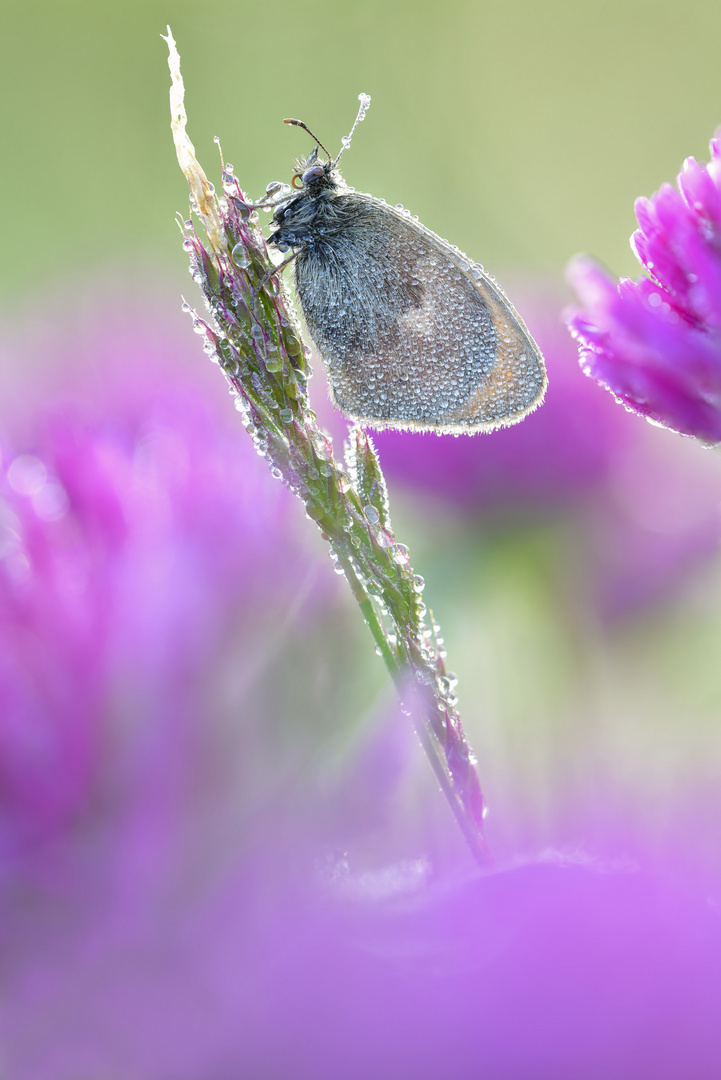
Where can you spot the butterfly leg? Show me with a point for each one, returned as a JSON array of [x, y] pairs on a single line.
[[271, 274]]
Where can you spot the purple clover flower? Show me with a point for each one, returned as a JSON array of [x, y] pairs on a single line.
[[137, 526], [543, 969], [656, 343]]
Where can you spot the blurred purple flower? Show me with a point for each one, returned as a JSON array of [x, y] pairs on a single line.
[[546, 969], [136, 527], [656, 343], [543, 970]]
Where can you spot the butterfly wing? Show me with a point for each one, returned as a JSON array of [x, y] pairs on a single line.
[[413, 334]]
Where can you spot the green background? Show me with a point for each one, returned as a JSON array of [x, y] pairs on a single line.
[[521, 131]]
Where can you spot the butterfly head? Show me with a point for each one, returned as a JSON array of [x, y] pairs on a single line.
[[313, 176]]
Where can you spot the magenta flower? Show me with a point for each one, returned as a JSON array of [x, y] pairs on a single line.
[[544, 970], [656, 343], [137, 527]]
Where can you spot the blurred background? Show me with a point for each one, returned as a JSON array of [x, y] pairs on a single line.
[[182, 674]]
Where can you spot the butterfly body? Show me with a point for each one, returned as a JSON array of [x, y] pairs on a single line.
[[413, 334]]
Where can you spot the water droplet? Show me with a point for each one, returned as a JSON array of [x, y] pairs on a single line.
[[401, 554], [321, 445], [240, 256]]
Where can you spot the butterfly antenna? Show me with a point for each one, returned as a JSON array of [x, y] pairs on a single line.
[[364, 103], [300, 124]]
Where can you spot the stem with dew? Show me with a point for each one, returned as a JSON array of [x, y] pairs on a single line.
[[253, 334]]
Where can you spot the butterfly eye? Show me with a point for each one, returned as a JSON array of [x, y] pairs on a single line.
[[313, 173]]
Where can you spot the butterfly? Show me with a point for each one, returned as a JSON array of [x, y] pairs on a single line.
[[413, 334]]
